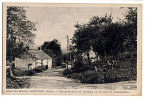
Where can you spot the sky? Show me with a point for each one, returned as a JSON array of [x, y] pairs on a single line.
[[58, 22]]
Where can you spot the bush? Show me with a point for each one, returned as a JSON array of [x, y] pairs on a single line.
[[117, 75], [46, 66], [67, 72], [20, 72], [16, 83], [23, 72], [111, 75], [89, 76], [38, 69], [81, 67], [123, 70], [41, 68], [31, 72]]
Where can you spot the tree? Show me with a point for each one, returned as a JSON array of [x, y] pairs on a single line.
[[131, 29], [19, 32], [90, 35], [53, 48], [99, 34], [105, 37], [115, 42], [82, 39]]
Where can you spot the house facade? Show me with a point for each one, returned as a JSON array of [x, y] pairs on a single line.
[[33, 59], [41, 58], [93, 57]]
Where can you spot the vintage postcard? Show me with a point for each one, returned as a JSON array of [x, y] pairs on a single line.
[[72, 49]]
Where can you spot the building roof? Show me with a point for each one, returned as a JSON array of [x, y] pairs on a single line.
[[39, 54]]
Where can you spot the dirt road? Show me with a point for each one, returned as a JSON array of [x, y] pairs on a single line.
[[53, 79]]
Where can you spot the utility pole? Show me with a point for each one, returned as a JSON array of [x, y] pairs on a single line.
[[67, 50]]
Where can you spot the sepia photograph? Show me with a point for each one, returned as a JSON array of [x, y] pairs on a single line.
[[72, 49]]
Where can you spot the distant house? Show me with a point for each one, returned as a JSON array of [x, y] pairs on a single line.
[[33, 59], [92, 56]]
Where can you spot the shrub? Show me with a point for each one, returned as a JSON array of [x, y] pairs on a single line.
[[105, 73], [20, 72], [41, 68], [90, 76], [32, 72], [67, 72], [38, 69], [46, 66], [110, 76], [16, 83], [23, 72], [81, 67], [11, 83]]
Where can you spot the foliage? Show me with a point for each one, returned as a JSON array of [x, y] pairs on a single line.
[[23, 72], [130, 30], [53, 48], [114, 42], [40, 69], [105, 37], [19, 32], [104, 74], [16, 83], [90, 35]]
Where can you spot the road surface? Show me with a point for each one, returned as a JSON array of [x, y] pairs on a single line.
[[53, 79]]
